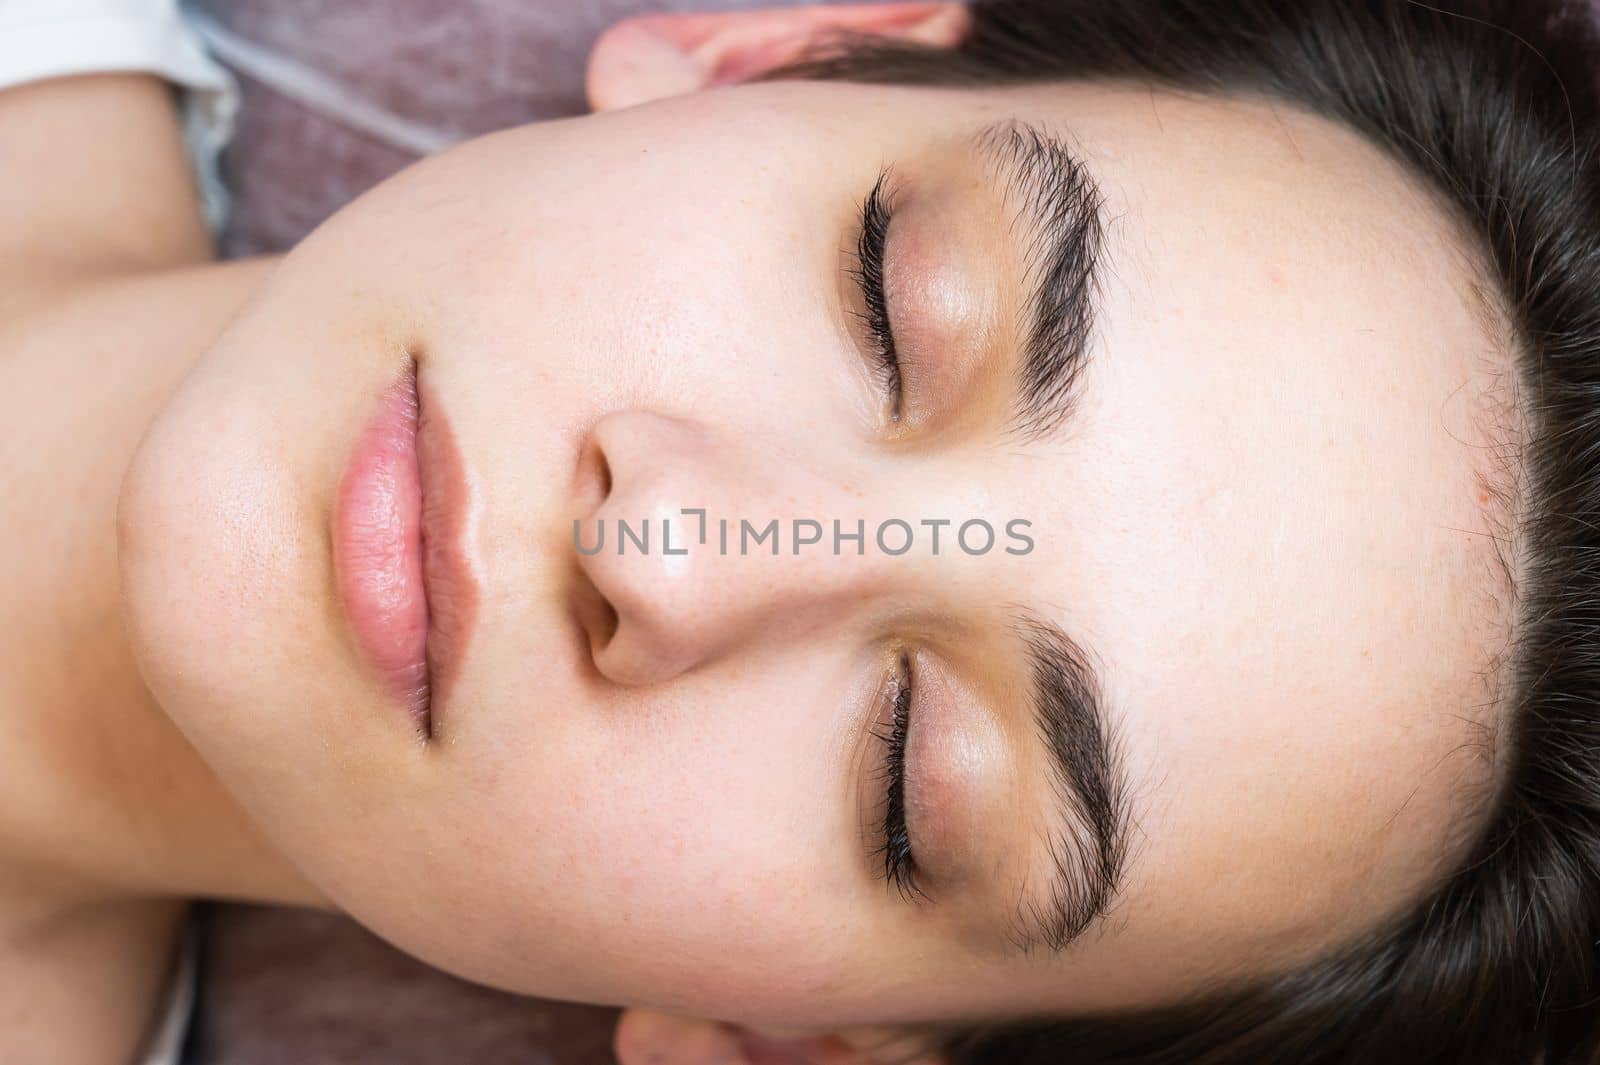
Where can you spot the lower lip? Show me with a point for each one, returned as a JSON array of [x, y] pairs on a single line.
[[401, 576]]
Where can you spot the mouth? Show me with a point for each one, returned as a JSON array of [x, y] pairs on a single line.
[[401, 573]]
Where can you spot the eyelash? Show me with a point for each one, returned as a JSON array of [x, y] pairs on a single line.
[[899, 861], [876, 211]]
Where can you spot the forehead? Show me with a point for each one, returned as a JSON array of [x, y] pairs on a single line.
[[1267, 518]]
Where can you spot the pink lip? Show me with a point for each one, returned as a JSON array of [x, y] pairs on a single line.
[[401, 575]]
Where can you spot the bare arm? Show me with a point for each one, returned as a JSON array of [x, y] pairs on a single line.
[[94, 182]]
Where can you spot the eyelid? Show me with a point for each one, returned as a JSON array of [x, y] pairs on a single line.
[[961, 782], [922, 276]]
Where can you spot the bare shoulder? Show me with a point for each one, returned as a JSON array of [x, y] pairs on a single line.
[[84, 981], [97, 182]]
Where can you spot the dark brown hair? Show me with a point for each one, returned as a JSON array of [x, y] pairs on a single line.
[[1494, 104]]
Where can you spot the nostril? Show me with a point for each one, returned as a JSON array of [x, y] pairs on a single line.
[[603, 474], [595, 613]]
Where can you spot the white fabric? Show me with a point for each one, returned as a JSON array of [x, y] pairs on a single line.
[[42, 39]]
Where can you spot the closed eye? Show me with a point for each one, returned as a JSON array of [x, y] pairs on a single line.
[[899, 860], [876, 214]]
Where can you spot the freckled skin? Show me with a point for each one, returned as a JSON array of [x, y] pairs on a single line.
[[1255, 521]]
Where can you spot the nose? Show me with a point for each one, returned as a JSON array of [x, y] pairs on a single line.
[[697, 544]]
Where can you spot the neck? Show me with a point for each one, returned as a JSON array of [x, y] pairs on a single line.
[[101, 798]]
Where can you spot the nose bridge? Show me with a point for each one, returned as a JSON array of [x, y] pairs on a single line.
[[701, 543]]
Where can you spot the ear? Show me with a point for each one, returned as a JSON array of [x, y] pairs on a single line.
[[654, 56], [645, 1037]]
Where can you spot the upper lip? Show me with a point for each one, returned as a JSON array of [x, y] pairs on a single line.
[[402, 574]]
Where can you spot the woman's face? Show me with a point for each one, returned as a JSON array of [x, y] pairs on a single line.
[[1255, 548]]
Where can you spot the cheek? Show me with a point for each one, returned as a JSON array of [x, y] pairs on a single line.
[[711, 323], [536, 255], [665, 849]]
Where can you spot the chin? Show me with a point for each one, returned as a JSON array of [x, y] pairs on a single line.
[[207, 570]]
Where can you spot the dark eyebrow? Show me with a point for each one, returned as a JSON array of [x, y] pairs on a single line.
[[1090, 782], [1062, 224]]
